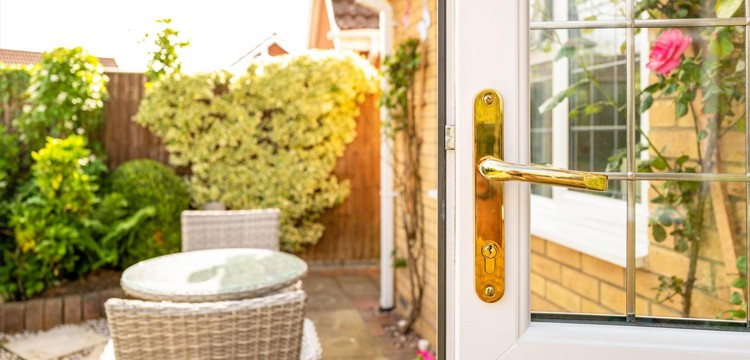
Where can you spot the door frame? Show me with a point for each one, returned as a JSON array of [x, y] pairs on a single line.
[[468, 328]]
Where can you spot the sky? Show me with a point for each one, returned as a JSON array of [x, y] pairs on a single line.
[[220, 31]]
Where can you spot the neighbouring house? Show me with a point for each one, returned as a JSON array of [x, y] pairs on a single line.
[[345, 25], [273, 45], [20, 57]]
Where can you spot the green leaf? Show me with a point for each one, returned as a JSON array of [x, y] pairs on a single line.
[[665, 220], [681, 160], [702, 134], [739, 283], [648, 100], [681, 109], [727, 8], [735, 298], [659, 163], [720, 44], [659, 233], [738, 314], [741, 264], [740, 125], [592, 109]]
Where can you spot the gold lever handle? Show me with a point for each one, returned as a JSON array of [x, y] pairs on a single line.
[[493, 168], [489, 205]]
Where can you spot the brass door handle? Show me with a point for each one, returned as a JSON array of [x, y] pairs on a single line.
[[493, 168], [489, 175]]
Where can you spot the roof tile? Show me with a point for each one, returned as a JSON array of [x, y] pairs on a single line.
[[18, 57]]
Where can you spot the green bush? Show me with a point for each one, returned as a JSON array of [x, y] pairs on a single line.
[[8, 159], [143, 183], [269, 139], [62, 228], [67, 94], [14, 83]]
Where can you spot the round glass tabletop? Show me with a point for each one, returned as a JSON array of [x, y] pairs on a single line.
[[212, 275]]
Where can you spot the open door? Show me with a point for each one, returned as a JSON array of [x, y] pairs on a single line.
[[582, 88]]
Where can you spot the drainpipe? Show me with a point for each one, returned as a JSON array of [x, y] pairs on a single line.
[[387, 194]]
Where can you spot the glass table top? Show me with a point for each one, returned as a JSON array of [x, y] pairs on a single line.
[[212, 275]]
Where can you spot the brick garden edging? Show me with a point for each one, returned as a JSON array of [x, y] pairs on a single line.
[[46, 313]]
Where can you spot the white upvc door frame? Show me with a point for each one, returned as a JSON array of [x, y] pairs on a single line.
[[487, 47]]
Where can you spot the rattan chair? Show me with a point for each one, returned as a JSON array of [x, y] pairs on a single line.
[[208, 229], [271, 327]]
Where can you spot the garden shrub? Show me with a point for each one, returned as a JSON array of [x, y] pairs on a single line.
[[14, 83], [67, 95], [8, 159], [62, 228], [268, 139], [146, 182]]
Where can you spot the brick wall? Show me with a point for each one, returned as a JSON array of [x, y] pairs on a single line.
[[46, 313], [426, 113]]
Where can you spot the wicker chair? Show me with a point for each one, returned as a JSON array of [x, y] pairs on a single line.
[[271, 327], [207, 229]]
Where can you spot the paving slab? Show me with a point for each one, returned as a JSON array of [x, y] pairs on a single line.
[[343, 335], [55, 343], [358, 285]]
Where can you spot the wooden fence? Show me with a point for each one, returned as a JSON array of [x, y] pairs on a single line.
[[352, 230]]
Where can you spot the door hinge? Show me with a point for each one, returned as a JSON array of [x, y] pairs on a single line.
[[450, 137]]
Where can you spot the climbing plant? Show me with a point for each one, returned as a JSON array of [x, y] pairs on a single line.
[[164, 58], [399, 98]]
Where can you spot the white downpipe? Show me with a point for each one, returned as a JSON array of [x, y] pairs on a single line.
[[387, 193]]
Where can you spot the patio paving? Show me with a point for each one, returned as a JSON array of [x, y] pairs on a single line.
[[343, 304]]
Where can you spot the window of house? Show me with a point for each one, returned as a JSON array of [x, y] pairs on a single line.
[[583, 132]]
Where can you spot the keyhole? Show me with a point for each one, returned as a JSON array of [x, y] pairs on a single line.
[[489, 252]]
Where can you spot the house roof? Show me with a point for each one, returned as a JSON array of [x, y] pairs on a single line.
[[18, 57], [350, 15], [272, 46]]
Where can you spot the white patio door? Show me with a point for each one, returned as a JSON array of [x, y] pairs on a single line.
[[488, 47]]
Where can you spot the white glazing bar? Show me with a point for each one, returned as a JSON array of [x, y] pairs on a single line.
[[631, 166], [665, 176], [638, 24]]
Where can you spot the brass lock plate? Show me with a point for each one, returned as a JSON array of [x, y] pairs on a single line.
[[489, 236]]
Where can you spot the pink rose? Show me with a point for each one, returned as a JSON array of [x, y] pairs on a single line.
[[667, 51], [424, 355]]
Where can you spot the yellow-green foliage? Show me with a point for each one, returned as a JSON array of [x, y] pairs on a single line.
[[267, 139]]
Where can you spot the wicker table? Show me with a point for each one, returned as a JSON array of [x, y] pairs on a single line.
[[212, 275]]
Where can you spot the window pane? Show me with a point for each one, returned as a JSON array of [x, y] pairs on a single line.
[[694, 102], [578, 97], [541, 123], [657, 9], [696, 237]]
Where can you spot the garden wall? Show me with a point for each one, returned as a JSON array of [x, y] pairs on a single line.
[[352, 230]]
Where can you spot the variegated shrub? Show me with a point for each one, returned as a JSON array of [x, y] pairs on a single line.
[[269, 138]]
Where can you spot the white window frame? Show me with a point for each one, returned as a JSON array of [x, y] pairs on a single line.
[[591, 224]]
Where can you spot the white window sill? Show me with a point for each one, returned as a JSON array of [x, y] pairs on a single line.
[[590, 224]]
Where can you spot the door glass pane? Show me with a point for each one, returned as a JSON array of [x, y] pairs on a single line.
[[662, 111], [694, 246], [565, 278], [694, 102], [656, 9], [577, 10]]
